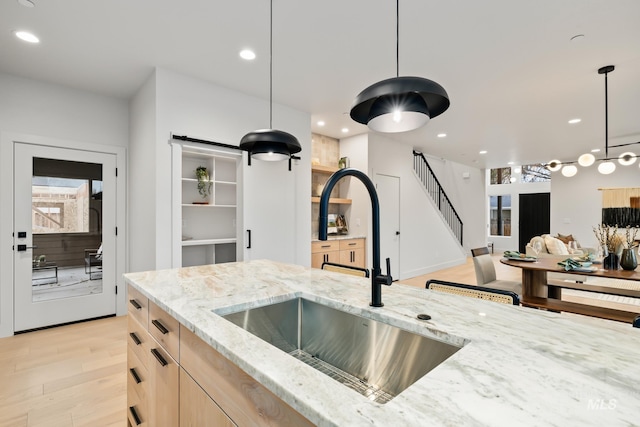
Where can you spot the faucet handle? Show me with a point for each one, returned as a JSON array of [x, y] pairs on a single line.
[[386, 279]]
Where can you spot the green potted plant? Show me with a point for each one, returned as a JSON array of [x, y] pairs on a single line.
[[204, 183]]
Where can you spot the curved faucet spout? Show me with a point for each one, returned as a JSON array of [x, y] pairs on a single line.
[[377, 278]]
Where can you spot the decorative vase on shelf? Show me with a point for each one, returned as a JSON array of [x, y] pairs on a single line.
[[629, 261], [611, 261]]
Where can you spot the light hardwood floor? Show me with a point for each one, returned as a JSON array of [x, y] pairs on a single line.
[[72, 375], [76, 375]]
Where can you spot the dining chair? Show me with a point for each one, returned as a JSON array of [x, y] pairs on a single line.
[[93, 262], [486, 272], [346, 269], [489, 294]]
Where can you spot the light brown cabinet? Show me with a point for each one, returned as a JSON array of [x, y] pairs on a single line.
[[349, 252], [352, 253], [238, 394], [153, 376], [179, 380], [197, 409]]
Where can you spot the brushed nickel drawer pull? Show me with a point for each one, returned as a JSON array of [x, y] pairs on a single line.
[[135, 303], [135, 338], [135, 376], [159, 357], [160, 326]]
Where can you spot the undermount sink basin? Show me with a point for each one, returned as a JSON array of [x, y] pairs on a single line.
[[376, 359]]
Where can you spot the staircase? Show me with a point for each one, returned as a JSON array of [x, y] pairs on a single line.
[[428, 178]]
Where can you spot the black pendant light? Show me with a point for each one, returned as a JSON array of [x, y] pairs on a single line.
[[270, 144], [399, 104]]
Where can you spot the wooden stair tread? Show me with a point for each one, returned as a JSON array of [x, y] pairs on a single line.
[[587, 310], [595, 288]]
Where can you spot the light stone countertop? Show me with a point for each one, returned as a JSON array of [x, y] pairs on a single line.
[[518, 366], [330, 237]]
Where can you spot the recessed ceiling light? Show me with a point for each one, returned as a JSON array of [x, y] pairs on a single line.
[[247, 54], [595, 150], [442, 135], [483, 152], [574, 121], [27, 37], [345, 130], [320, 123], [27, 3]]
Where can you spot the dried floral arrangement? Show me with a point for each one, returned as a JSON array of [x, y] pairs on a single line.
[[608, 237], [630, 234]]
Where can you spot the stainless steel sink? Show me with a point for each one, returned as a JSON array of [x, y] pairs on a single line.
[[376, 359]]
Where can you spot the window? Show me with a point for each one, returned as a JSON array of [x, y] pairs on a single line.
[[500, 176], [500, 215], [535, 173], [59, 205]]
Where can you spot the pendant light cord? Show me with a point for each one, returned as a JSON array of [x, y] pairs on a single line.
[[397, 38], [271, 66], [606, 116]]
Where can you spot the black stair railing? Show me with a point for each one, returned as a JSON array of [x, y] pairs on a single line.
[[431, 183]]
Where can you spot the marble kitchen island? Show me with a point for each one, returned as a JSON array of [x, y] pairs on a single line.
[[517, 366]]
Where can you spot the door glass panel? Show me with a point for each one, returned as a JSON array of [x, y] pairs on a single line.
[[500, 215], [66, 211]]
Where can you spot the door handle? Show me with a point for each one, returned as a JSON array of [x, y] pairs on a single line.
[[22, 248], [397, 233], [249, 237]]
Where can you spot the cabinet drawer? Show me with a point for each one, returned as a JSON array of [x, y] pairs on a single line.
[[138, 340], [351, 244], [138, 305], [326, 246], [136, 408], [163, 404], [165, 329], [238, 394], [137, 376]]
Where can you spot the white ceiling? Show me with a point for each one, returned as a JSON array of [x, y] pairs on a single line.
[[513, 75]]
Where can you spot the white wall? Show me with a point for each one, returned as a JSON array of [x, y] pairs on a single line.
[[47, 112], [426, 242], [467, 195], [356, 148], [576, 203], [188, 106], [37, 108], [142, 171], [504, 243]]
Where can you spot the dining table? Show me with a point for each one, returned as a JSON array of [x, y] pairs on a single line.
[[540, 292]]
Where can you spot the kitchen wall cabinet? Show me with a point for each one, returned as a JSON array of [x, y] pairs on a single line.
[[349, 252], [205, 227]]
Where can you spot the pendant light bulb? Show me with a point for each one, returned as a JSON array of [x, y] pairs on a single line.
[[627, 159], [607, 167], [569, 170], [586, 160], [554, 165]]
